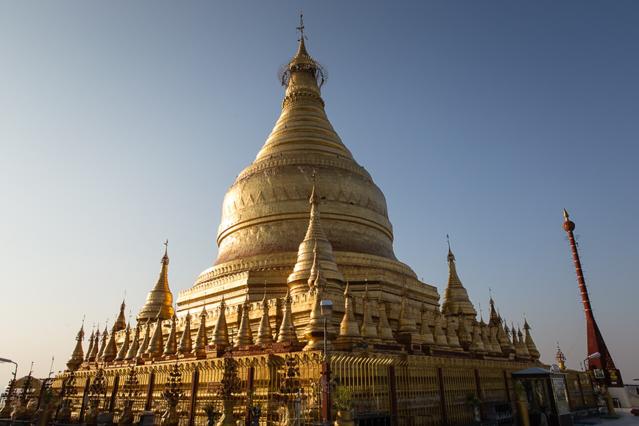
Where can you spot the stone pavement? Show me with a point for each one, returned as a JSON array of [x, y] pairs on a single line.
[[625, 419]]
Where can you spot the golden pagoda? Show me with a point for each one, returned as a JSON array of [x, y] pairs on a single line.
[[159, 302], [306, 265]]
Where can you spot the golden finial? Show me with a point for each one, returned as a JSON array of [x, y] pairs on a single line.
[[165, 258], [560, 358], [314, 198], [451, 256], [301, 27], [566, 215]]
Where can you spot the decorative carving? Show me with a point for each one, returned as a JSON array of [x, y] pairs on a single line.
[[172, 395]]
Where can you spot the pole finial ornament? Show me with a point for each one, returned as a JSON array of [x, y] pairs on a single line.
[[301, 27]]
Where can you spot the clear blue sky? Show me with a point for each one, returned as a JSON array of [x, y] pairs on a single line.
[[123, 123]]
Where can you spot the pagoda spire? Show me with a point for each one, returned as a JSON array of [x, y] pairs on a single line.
[[494, 318], [186, 345], [111, 350], [124, 349], [244, 332], [504, 340], [465, 335], [103, 344], [485, 336], [145, 340], [264, 333], [315, 252], [316, 331], [451, 332], [159, 301], [156, 344], [287, 332], [529, 342], [312, 276], [221, 332], [596, 341], [560, 358], [384, 330], [303, 111], [120, 322], [438, 333], [93, 353], [455, 296], [493, 331], [368, 330], [477, 344], [201, 340], [406, 322], [349, 333], [522, 344], [134, 346], [513, 333], [170, 347], [91, 343], [425, 330], [78, 354]]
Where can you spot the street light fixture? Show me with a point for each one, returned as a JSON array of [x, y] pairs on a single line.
[[15, 370], [594, 355]]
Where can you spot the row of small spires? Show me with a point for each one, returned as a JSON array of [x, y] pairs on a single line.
[[461, 333]]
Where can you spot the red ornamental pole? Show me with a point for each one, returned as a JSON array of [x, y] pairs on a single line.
[[596, 345]]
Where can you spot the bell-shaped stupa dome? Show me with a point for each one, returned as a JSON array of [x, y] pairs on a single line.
[[266, 210]]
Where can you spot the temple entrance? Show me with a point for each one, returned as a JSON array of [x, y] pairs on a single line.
[[546, 396]]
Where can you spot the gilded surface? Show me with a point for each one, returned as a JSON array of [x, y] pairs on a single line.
[[265, 212], [304, 223]]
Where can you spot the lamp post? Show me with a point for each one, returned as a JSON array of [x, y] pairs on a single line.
[[595, 355], [8, 395], [602, 386], [15, 370], [326, 309]]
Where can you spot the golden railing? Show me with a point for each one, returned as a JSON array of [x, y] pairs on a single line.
[[409, 389]]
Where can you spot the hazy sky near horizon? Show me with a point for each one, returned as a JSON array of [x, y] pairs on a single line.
[[124, 123]]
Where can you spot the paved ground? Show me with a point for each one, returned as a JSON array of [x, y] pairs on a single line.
[[625, 419]]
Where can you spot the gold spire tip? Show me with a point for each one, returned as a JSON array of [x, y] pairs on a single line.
[[301, 27]]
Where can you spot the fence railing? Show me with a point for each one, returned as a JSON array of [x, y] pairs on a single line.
[[410, 389]]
